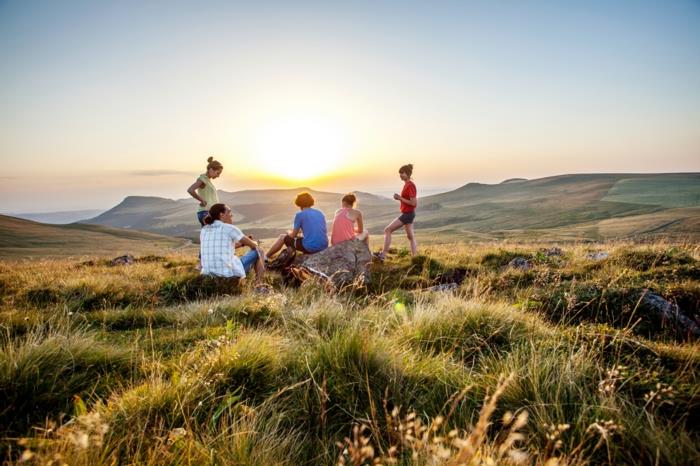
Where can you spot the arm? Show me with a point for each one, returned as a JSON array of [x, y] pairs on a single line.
[[297, 225], [360, 225], [192, 190], [412, 201], [245, 241]]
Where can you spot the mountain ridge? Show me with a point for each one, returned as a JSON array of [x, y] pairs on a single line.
[[553, 202]]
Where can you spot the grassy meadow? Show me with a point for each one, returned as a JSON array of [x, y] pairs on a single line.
[[152, 364]]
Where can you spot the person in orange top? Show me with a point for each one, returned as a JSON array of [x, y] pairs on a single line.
[[409, 201], [346, 218]]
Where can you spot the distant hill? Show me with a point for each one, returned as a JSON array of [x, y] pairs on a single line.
[[21, 238], [513, 180], [263, 212], [577, 206], [61, 218]]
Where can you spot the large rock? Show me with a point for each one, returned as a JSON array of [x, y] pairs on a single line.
[[342, 265], [122, 260], [670, 313], [520, 263]]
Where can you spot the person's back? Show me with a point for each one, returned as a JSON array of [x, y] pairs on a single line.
[[217, 250], [312, 223], [343, 226]]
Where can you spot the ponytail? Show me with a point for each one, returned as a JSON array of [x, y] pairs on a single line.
[[214, 213], [407, 169], [214, 164]]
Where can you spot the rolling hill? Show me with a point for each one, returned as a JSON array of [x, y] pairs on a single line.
[[21, 238], [579, 206]]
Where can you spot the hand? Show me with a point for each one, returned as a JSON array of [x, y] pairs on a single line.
[[397, 197], [203, 204]]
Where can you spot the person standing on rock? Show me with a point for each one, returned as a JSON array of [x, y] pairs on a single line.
[[408, 202], [347, 224], [204, 190], [309, 222]]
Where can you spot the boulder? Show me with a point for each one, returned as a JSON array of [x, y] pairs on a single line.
[[122, 260], [670, 314], [341, 265], [597, 256], [520, 263]]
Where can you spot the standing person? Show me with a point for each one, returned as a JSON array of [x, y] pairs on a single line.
[[344, 222], [310, 222], [218, 240], [408, 200], [204, 190]]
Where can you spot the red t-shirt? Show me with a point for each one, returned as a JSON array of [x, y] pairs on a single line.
[[409, 191]]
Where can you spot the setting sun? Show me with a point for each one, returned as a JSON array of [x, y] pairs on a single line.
[[299, 148]]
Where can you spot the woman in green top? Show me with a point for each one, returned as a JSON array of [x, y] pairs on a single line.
[[203, 189]]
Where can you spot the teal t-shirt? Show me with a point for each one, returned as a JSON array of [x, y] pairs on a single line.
[[312, 223]]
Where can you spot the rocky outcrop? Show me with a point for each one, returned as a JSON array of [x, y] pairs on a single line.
[[342, 265], [597, 256], [520, 263], [122, 260], [670, 314]]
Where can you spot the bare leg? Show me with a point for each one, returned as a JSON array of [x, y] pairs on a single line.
[[392, 227], [260, 266], [411, 238], [276, 246]]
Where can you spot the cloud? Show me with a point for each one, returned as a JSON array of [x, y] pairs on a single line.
[[159, 172]]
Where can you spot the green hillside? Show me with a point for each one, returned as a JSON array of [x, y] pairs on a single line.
[[568, 205], [669, 191], [25, 238]]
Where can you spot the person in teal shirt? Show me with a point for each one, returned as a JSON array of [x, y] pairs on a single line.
[[309, 233]]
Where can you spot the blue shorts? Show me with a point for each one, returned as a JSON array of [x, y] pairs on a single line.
[[200, 216], [249, 259]]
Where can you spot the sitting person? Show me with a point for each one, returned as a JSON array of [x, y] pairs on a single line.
[[218, 240], [311, 223], [344, 222]]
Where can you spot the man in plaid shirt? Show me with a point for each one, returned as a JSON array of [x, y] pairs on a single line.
[[218, 240]]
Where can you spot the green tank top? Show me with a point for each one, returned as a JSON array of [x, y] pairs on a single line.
[[208, 192]]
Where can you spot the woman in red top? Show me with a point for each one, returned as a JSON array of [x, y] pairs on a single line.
[[409, 200]]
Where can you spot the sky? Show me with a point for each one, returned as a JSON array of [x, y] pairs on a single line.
[[101, 100]]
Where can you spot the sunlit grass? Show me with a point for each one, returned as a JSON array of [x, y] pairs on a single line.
[[150, 364]]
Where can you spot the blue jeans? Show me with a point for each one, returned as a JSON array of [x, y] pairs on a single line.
[[200, 216], [249, 259]]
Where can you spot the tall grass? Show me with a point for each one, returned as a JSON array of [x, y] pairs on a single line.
[[164, 368]]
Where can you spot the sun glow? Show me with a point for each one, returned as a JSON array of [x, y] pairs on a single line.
[[299, 148]]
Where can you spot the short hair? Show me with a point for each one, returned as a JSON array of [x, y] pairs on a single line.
[[350, 199], [407, 169], [304, 200]]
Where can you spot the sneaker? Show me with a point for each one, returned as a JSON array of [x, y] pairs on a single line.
[[378, 256]]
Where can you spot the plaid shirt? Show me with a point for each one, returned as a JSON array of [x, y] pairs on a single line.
[[218, 251]]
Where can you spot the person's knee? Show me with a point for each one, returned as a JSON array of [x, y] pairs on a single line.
[[388, 231]]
